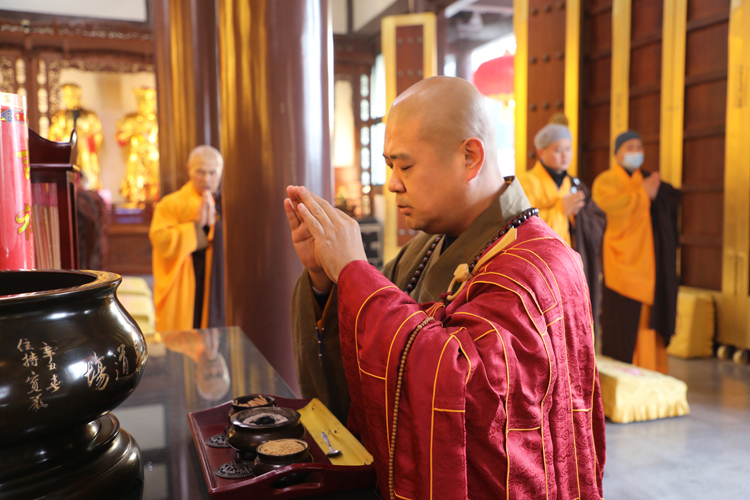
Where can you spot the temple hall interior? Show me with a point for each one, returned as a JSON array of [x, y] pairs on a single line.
[[149, 277]]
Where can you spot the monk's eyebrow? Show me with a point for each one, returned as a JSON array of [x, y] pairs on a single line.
[[397, 156]]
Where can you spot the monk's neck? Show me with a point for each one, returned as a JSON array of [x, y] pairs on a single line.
[[477, 209]]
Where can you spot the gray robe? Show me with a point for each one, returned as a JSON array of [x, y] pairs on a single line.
[[321, 371]]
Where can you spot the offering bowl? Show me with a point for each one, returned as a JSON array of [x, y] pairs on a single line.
[[250, 428]]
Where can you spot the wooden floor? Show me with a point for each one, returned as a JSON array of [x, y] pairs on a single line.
[[705, 455]]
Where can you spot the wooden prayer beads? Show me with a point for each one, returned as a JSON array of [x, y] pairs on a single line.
[[515, 222]]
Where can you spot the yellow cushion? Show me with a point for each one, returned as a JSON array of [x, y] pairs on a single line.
[[141, 309], [133, 285], [694, 331], [633, 394]]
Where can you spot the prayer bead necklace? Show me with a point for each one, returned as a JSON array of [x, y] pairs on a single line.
[[401, 367], [515, 222]]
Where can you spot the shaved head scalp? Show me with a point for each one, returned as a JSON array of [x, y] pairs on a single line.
[[446, 112]]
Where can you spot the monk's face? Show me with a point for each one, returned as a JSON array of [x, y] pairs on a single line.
[[428, 178], [557, 155], [629, 146], [205, 174]]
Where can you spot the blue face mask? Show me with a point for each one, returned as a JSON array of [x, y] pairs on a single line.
[[632, 161]]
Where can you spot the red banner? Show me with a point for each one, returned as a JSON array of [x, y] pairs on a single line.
[[16, 224]]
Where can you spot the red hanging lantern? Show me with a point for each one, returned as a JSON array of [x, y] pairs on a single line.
[[494, 78]]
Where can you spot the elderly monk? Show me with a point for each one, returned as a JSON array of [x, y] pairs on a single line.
[[639, 303], [188, 249], [565, 203], [475, 384]]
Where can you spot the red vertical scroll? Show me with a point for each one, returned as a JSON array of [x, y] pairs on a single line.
[[16, 239]]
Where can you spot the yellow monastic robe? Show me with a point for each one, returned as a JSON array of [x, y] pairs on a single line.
[[174, 238], [629, 265], [544, 194], [629, 262]]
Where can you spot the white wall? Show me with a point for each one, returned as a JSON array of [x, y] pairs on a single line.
[[339, 17], [126, 10], [109, 95], [366, 10]]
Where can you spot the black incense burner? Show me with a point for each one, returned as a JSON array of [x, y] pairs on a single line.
[[69, 354], [253, 427]]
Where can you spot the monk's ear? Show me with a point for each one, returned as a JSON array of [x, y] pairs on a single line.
[[473, 150]]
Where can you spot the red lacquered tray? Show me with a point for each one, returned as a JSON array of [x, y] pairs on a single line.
[[324, 478]]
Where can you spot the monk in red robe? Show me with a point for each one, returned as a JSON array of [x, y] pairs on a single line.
[[491, 391]]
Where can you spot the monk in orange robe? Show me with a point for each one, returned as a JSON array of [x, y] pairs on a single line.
[[565, 203], [188, 253], [548, 184], [490, 390], [637, 322]]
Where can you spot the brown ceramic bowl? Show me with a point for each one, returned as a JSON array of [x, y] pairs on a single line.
[[250, 428], [268, 460], [237, 403]]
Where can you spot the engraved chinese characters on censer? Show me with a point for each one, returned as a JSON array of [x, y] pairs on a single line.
[[32, 361], [69, 354]]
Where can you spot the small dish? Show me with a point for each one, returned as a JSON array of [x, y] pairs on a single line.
[[279, 453]]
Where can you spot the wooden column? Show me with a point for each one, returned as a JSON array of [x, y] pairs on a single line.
[[187, 83], [276, 78], [734, 317], [521, 81]]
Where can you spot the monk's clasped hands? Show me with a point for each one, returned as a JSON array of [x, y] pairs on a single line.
[[336, 237]]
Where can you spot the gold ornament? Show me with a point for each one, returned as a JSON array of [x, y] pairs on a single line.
[[89, 130]]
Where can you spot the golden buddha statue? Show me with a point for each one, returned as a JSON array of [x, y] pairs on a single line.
[[139, 132], [89, 130]]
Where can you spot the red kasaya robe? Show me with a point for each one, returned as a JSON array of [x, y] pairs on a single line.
[[500, 396]]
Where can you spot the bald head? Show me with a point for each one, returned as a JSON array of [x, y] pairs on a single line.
[[205, 165], [440, 144], [447, 111]]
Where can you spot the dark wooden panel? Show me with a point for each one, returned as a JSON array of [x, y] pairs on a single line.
[[704, 142], [701, 9], [593, 163], [703, 161], [701, 266], [702, 214], [409, 64], [129, 249], [596, 126], [596, 77], [645, 65], [646, 18], [705, 105], [707, 50], [597, 80], [644, 109], [644, 112], [409, 57], [597, 33], [597, 6], [546, 65]]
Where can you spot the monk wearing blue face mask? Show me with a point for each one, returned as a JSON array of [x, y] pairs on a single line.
[[639, 252]]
